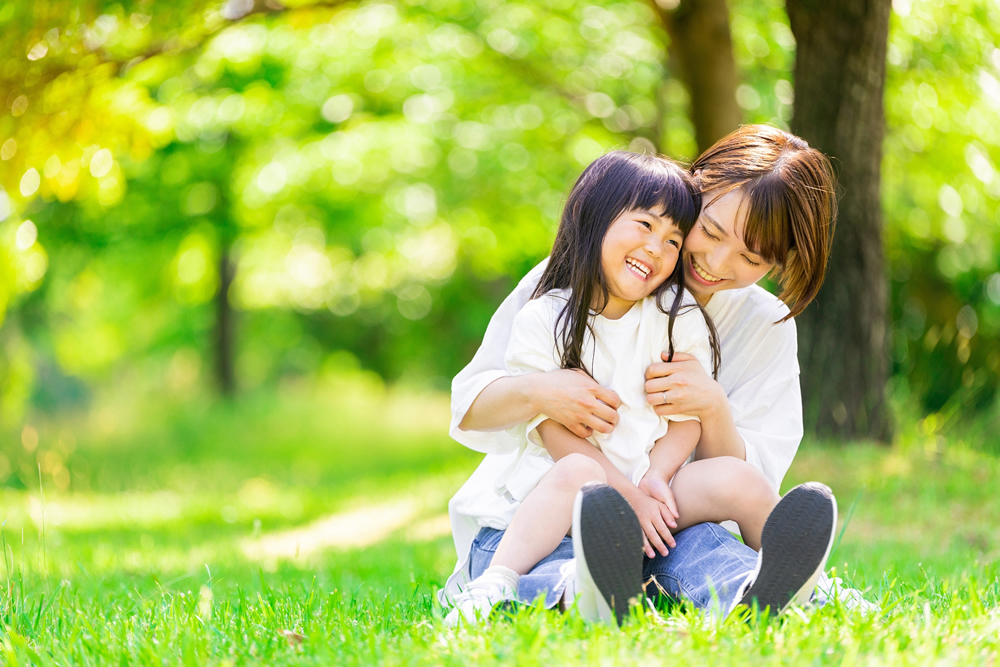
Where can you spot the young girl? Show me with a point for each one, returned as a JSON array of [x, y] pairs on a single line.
[[600, 307]]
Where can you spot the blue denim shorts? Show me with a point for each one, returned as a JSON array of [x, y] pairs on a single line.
[[706, 568]]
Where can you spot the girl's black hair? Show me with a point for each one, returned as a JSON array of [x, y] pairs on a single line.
[[613, 184]]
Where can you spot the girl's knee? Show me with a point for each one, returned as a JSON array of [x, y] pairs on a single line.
[[745, 481], [577, 470]]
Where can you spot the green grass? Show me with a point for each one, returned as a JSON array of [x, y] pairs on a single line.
[[152, 540]]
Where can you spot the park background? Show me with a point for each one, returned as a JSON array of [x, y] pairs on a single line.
[[245, 245]]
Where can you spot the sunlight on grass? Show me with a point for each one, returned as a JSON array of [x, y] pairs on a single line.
[[309, 526]]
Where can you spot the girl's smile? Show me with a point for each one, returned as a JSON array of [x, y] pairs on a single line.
[[639, 252]]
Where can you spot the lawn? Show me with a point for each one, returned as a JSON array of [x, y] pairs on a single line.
[[307, 525]]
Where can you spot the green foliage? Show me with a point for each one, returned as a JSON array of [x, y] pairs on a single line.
[[384, 172]]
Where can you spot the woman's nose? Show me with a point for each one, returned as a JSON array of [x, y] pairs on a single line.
[[716, 261]]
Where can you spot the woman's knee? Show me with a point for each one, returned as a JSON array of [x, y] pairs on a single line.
[[577, 470]]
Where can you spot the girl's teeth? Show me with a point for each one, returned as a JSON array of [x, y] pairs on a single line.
[[642, 271]]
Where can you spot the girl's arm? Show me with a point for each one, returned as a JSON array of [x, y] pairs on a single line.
[[652, 514], [667, 456]]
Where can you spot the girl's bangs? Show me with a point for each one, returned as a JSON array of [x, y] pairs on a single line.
[[654, 186]]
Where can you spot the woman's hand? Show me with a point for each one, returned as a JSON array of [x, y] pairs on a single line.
[[682, 387], [575, 400], [653, 516]]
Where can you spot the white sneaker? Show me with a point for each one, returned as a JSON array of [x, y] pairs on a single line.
[[607, 546], [795, 544], [478, 600]]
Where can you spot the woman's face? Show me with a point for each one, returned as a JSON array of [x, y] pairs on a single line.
[[715, 256]]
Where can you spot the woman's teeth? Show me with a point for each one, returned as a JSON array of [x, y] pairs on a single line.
[[704, 274], [641, 269]]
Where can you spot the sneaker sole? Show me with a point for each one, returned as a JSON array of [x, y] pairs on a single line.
[[795, 544], [607, 544]]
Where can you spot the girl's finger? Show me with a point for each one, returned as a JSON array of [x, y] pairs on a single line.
[[653, 536], [667, 537], [671, 504], [669, 518]]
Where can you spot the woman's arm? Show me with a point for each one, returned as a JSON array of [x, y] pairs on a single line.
[[684, 387], [571, 398], [759, 420]]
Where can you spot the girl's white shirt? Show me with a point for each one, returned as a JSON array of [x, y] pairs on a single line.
[[616, 353], [759, 373]]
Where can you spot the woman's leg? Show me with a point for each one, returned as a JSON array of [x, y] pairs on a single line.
[[721, 489], [546, 514]]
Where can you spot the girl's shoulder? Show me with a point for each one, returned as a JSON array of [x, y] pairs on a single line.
[[545, 308]]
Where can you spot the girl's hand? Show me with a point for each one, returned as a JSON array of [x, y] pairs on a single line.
[[576, 401], [682, 387], [655, 486], [653, 516]]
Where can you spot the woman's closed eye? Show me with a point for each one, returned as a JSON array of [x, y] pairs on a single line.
[[750, 261], [707, 233]]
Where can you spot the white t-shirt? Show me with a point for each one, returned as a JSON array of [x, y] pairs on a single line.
[[759, 373], [616, 354]]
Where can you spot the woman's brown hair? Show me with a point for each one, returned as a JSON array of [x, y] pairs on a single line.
[[790, 189]]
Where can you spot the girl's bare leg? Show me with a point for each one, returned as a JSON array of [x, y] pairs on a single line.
[[546, 514], [724, 489]]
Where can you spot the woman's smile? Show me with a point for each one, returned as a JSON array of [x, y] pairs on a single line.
[[701, 275]]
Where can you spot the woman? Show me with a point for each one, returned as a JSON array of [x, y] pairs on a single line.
[[768, 205]]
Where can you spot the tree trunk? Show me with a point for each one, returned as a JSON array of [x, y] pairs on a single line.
[[701, 50], [225, 373], [839, 82]]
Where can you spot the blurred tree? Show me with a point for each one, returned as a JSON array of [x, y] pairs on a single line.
[[701, 51], [840, 63]]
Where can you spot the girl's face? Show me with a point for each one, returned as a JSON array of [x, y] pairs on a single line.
[[715, 255], [639, 252]]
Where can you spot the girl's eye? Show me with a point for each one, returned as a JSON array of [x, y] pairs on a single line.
[[675, 243], [645, 224]]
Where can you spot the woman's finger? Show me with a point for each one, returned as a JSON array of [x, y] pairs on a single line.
[[604, 412], [581, 430], [608, 397], [596, 423]]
